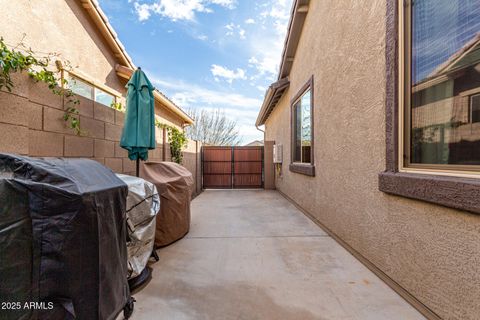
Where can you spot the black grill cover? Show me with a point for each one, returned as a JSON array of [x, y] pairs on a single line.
[[62, 239]]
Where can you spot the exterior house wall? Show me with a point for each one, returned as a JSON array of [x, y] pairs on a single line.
[[62, 27], [168, 117], [429, 250]]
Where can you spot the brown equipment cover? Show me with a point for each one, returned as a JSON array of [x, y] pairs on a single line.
[[174, 184]]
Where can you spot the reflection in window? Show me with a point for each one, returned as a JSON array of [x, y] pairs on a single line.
[[445, 82], [80, 88], [303, 129], [103, 97], [475, 108], [89, 91]]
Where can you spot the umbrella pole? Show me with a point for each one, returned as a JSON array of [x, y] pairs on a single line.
[[138, 168]]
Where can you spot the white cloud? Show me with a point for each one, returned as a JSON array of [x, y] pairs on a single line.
[[238, 107], [178, 9], [263, 32], [230, 27], [230, 4], [191, 95], [143, 11], [277, 12], [173, 9], [227, 74], [268, 64], [267, 43], [241, 33], [235, 28]]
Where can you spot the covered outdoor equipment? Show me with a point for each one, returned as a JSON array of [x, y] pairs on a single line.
[[143, 204], [175, 185], [138, 135], [62, 239]]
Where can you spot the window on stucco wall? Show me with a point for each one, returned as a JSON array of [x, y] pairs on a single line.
[[90, 91], [302, 108], [441, 86], [433, 79], [303, 129]]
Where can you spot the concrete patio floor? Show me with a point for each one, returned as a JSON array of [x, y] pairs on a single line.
[[251, 254]]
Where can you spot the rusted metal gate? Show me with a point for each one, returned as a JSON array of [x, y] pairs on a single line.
[[232, 167]]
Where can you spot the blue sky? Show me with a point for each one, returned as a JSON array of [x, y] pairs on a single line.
[[206, 53]]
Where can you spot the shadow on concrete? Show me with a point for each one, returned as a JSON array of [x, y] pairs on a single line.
[[237, 301]]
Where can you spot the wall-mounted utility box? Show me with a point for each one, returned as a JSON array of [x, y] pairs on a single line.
[[277, 153]]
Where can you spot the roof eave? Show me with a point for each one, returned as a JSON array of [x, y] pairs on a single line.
[[126, 73], [160, 97], [126, 66], [101, 21], [272, 96], [295, 25]]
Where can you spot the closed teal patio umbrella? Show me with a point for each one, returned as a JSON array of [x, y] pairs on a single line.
[[138, 135]]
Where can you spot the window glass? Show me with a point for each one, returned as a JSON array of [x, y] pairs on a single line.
[[103, 97], [298, 132], [303, 129], [306, 128], [444, 117], [80, 87], [475, 108]]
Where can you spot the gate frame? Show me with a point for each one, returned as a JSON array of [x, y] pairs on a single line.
[[232, 161]]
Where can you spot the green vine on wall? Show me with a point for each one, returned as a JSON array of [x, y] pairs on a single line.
[[177, 139], [20, 59]]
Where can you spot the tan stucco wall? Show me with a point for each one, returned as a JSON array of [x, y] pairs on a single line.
[[429, 250], [167, 116], [64, 27], [61, 26]]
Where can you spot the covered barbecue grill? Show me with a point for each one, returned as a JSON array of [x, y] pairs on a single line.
[[175, 185], [62, 238], [143, 203]]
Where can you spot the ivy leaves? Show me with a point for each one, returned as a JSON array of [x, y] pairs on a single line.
[[72, 119], [177, 139], [14, 60]]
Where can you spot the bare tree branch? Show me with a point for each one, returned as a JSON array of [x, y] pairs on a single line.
[[213, 127]]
